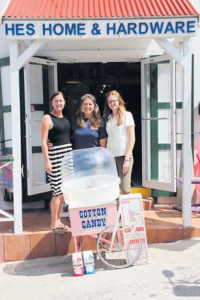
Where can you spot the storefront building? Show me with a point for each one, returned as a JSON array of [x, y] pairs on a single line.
[[140, 48]]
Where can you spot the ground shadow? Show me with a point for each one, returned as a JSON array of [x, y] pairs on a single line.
[[52, 265], [180, 245], [183, 288]]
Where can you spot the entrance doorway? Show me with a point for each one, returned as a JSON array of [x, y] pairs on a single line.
[[75, 80]]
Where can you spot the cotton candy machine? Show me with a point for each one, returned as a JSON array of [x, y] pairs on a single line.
[[89, 177]]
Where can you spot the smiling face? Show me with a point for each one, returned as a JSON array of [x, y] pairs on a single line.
[[87, 107], [113, 102], [58, 103]]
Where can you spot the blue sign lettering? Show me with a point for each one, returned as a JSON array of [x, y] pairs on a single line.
[[94, 212], [169, 27], [109, 28], [85, 213], [96, 223], [180, 27], [132, 27], [20, 29], [98, 212], [70, 30], [81, 214], [88, 224], [104, 211], [83, 224], [58, 29], [12, 29], [121, 29], [143, 28], [47, 28], [103, 222], [81, 29], [30, 29], [191, 26], [156, 27]]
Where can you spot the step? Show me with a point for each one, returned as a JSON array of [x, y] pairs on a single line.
[[148, 203], [145, 192]]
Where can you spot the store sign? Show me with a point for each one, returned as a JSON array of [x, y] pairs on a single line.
[[101, 28]]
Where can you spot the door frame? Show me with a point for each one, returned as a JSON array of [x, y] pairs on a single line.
[[145, 156], [33, 190]]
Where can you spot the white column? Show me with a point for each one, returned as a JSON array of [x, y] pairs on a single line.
[[16, 137], [186, 167]]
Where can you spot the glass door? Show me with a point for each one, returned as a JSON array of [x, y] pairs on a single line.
[[40, 82], [158, 123]]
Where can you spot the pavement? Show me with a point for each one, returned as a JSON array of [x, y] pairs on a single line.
[[173, 272]]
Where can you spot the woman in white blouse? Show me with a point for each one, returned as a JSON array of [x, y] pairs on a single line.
[[120, 127]]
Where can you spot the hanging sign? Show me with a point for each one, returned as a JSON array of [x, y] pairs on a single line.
[[100, 28]]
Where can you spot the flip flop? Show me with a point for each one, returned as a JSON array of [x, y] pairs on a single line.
[[59, 230], [65, 228]]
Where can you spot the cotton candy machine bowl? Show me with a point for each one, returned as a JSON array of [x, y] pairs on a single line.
[[89, 177]]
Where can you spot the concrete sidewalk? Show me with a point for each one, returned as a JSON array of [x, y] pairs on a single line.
[[173, 272]]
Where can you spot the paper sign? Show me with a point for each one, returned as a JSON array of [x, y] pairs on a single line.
[[132, 213]]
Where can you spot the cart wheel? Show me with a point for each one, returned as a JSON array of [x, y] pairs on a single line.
[[116, 257]]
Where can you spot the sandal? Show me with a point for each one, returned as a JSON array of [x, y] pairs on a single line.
[[64, 227], [59, 230]]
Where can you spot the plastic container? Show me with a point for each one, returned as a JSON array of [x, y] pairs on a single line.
[[89, 177]]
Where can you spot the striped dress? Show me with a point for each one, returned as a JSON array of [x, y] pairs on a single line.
[[59, 136]]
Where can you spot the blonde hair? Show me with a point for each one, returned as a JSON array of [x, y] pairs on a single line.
[[121, 108], [95, 119]]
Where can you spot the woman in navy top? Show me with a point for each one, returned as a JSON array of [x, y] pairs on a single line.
[[88, 128]]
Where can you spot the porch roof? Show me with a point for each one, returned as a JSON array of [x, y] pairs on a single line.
[[98, 9]]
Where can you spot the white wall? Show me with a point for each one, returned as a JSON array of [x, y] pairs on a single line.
[[196, 47], [4, 50]]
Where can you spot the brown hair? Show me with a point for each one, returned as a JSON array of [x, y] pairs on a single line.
[[95, 119], [121, 108], [56, 94]]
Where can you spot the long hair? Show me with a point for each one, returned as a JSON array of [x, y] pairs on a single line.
[[121, 108], [95, 119]]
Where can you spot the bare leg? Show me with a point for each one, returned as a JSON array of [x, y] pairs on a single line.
[[55, 205], [60, 207], [65, 227]]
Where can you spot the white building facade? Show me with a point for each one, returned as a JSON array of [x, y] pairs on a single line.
[[40, 55]]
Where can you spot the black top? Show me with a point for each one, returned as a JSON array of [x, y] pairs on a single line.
[[60, 133], [87, 137]]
